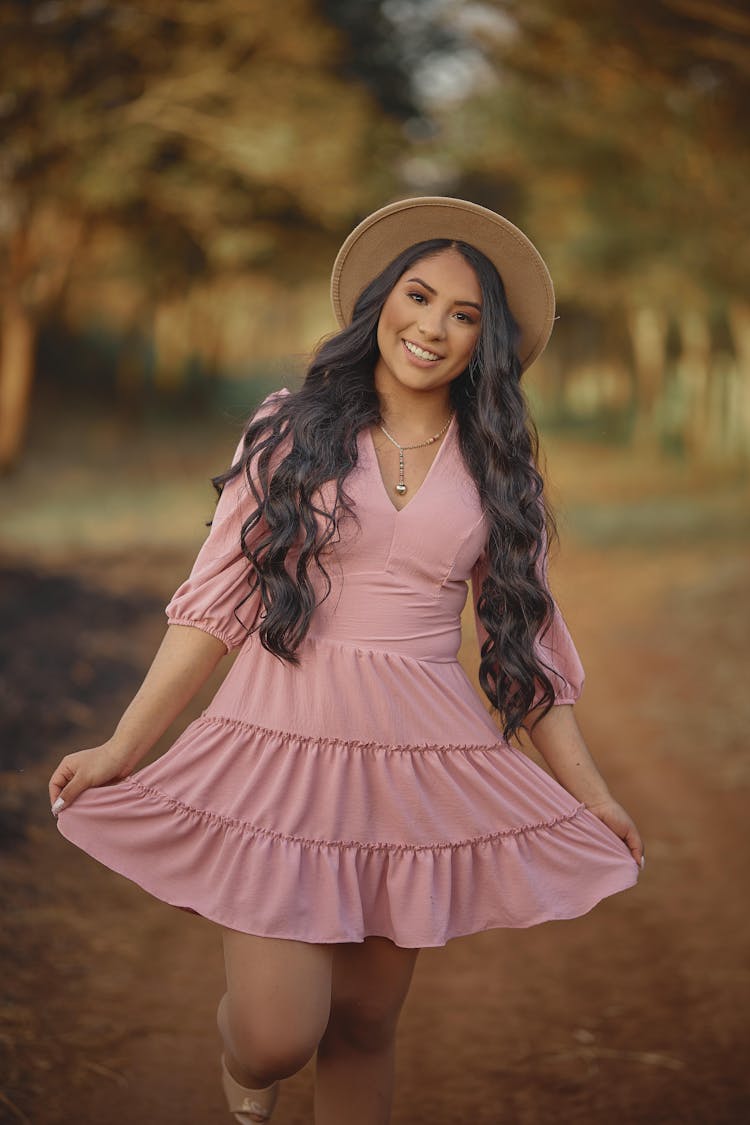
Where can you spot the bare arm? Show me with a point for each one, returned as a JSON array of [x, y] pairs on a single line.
[[185, 659], [558, 739]]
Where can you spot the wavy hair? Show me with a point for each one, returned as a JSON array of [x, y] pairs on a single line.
[[310, 440]]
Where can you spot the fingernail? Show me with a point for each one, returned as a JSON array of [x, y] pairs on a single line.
[[643, 862], [59, 804]]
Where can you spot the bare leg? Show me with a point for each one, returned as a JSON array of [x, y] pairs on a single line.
[[276, 1006], [356, 1054]]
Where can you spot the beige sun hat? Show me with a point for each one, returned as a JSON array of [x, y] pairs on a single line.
[[382, 236]]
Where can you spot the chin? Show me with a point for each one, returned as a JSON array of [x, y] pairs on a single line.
[[417, 382]]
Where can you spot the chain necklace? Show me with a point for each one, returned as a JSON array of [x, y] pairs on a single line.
[[401, 486]]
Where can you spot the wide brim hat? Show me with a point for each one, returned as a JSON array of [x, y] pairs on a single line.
[[382, 236]]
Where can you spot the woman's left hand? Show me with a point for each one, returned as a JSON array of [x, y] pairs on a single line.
[[615, 817]]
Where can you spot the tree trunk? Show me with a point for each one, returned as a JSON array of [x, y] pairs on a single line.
[[648, 334], [703, 422], [172, 344], [739, 322], [17, 343]]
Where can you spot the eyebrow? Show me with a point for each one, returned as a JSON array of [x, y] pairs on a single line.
[[429, 289]]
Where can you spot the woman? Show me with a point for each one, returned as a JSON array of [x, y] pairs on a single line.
[[346, 798]]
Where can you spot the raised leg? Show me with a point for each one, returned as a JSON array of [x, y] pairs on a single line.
[[356, 1055], [276, 1006]]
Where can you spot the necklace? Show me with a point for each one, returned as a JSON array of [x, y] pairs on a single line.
[[401, 486]]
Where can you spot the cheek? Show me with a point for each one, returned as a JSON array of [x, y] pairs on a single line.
[[387, 322], [466, 347]]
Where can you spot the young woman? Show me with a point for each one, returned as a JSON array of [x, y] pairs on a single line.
[[346, 798]]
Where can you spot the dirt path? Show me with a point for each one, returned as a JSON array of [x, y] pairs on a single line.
[[636, 1013]]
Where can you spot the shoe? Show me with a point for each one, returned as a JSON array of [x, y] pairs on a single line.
[[250, 1107]]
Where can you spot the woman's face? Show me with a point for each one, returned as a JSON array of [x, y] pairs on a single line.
[[429, 324]]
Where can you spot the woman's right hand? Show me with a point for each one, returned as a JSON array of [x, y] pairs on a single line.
[[186, 658], [86, 769]]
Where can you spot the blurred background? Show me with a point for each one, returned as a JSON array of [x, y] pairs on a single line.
[[175, 180]]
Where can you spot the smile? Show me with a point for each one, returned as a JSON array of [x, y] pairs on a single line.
[[420, 353]]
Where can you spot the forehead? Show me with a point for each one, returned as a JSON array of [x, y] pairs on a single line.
[[447, 272]]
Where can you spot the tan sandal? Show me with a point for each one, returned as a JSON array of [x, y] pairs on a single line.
[[250, 1107]]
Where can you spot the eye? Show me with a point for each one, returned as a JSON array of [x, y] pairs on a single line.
[[418, 297], [465, 318]]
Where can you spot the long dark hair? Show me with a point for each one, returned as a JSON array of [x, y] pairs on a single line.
[[311, 436]]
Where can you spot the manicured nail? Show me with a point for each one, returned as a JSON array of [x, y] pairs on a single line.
[[59, 804], [643, 862]]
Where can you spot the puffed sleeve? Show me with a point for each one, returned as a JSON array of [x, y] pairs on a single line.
[[554, 649], [209, 599]]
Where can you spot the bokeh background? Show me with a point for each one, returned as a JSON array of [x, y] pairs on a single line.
[[175, 179]]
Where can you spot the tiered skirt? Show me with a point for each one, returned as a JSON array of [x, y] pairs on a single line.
[[321, 823]]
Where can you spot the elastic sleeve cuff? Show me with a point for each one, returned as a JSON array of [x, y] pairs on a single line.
[[567, 699], [206, 627]]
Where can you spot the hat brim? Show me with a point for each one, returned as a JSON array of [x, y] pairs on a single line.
[[382, 236]]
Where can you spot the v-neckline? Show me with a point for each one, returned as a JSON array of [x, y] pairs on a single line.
[[376, 464]]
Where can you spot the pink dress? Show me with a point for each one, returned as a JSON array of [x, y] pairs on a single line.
[[366, 791]]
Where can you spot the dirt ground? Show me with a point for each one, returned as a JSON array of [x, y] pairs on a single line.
[[635, 1013]]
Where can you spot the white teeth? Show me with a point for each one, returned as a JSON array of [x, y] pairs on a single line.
[[420, 353]]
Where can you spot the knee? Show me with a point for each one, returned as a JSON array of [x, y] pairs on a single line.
[[264, 1047], [267, 1060], [362, 1026]]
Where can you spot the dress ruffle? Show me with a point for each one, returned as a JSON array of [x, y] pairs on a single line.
[[228, 824]]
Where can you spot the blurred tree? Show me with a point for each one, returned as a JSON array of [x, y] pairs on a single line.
[[625, 128], [218, 137], [392, 46]]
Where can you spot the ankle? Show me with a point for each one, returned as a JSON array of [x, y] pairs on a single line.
[[247, 1078], [248, 1103]]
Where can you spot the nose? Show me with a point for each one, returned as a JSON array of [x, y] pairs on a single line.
[[431, 324]]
